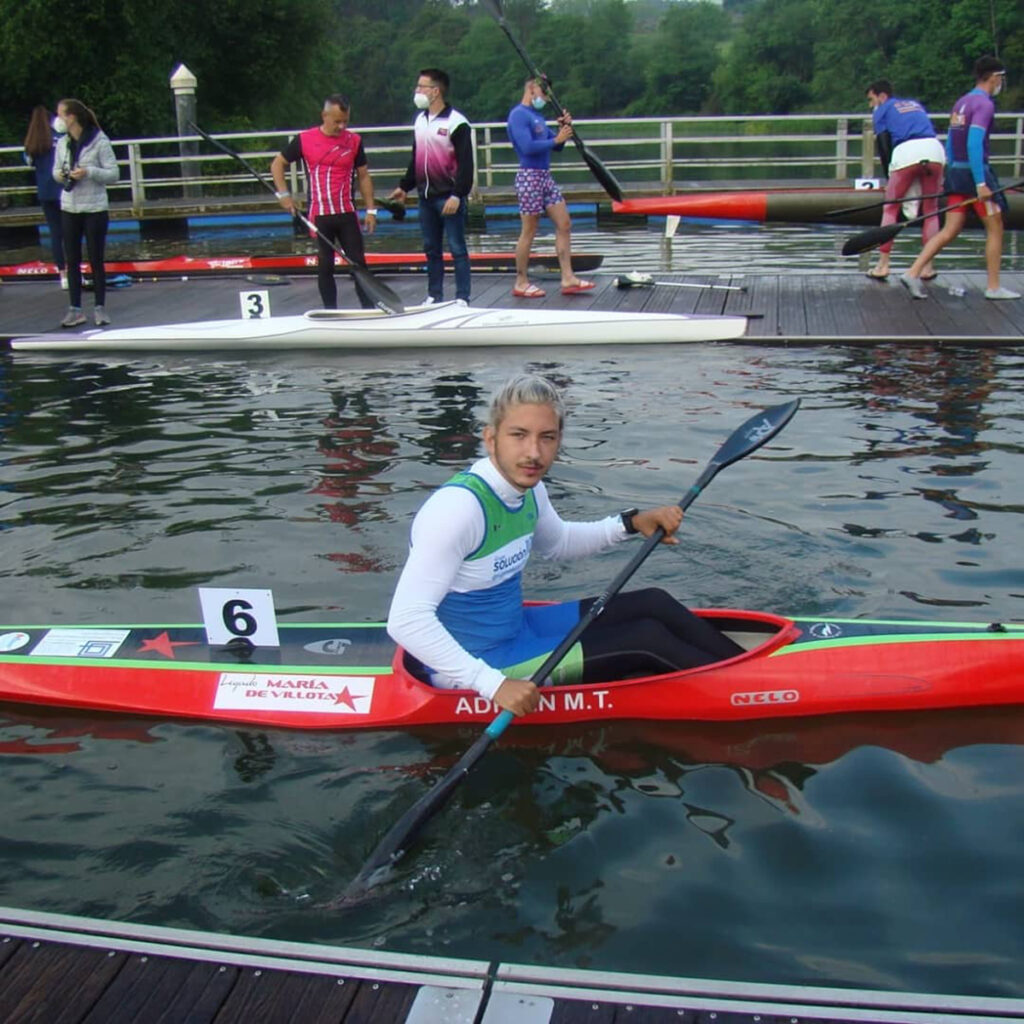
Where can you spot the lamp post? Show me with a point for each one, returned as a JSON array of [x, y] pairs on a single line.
[[183, 85]]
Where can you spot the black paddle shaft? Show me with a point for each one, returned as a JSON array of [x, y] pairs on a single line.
[[604, 177], [747, 438], [874, 237], [383, 297]]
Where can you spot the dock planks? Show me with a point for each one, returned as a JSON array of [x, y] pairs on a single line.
[[785, 308], [58, 969]]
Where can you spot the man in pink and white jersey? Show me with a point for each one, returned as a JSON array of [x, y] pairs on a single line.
[[334, 160]]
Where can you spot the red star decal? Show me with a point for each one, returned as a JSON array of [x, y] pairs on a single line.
[[164, 645], [346, 698]]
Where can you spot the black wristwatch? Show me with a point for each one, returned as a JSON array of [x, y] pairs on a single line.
[[626, 515]]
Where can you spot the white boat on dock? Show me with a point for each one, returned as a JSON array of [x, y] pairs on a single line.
[[440, 325]]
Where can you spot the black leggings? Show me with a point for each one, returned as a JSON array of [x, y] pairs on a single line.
[[646, 632], [343, 230], [94, 227]]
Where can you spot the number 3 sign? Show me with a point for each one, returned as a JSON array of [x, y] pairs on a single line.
[[230, 614]]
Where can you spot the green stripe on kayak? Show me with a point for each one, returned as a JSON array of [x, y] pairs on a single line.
[[878, 640]]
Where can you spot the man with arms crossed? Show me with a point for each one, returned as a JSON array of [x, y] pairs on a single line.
[[333, 156], [968, 173], [458, 607]]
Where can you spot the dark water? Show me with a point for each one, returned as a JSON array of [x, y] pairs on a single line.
[[879, 851]]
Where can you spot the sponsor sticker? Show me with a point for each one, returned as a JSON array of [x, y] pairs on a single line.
[[268, 691], [334, 647], [80, 643], [825, 630], [13, 641], [761, 697]]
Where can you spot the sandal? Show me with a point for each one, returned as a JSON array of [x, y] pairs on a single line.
[[531, 291], [576, 289]]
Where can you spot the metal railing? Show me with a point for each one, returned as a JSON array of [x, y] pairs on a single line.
[[648, 154]]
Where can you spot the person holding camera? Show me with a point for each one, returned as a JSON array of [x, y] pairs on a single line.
[[84, 165]]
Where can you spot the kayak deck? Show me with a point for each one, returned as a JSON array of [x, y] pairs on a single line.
[[345, 675]]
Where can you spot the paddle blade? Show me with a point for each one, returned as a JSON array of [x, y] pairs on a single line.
[[393, 846], [758, 430], [604, 177], [871, 239]]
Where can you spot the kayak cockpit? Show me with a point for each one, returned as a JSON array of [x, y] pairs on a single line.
[[758, 633]]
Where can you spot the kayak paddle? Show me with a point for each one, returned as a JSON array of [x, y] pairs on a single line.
[[884, 202], [874, 237], [636, 279], [604, 177], [745, 439], [383, 297]]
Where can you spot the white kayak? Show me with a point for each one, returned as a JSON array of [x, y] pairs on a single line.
[[441, 325]]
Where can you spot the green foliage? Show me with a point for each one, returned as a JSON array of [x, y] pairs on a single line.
[[269, 63]]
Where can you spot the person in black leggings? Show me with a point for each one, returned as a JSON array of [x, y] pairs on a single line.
[[84, 165]]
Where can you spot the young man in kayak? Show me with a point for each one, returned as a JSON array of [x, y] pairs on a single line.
[[458, 607], [534, 143], [333, 157], [969, 175]]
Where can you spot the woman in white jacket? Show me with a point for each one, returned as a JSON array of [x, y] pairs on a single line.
[[84, 164]]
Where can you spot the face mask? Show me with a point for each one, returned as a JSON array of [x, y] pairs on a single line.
[[420, 101], [539, 103], [999, 85], [60, 126]]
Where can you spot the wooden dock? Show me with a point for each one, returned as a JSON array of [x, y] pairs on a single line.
[[784, 308], [59, 969]]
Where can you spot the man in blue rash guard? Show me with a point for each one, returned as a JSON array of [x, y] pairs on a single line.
[[457, 608], [968, 173], [534, 142]]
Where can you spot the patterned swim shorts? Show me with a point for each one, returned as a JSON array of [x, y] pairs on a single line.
[[536, 190]]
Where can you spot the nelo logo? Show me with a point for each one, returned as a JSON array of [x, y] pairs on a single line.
[[741, 700]]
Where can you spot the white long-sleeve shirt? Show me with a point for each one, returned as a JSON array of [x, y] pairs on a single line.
[[445, 532]]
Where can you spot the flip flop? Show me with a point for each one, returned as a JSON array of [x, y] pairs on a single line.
[[576, 289], [929, 277], [876, 277], [531, 291]]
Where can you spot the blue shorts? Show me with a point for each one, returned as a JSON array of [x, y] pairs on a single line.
[[544, 627]]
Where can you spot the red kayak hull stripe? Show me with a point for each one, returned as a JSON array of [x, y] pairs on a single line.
[[186, 266]]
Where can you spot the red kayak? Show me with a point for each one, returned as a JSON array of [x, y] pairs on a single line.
[[345, 675], [217, 266], [783, 205]]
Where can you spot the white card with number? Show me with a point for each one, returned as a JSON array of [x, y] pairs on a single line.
[[255, 305], [230, 614]]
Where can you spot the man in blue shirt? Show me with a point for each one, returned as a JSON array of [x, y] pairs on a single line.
[[969, 175], [912, 159], [534, 141]]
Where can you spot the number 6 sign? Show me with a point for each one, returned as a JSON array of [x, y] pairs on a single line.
[[239, 614]]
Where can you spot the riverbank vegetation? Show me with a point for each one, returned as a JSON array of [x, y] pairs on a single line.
[[269, 63]]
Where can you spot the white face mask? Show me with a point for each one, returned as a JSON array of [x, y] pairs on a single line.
[[60, 126], [420, 101]]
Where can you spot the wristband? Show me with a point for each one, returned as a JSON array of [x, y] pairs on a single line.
[[371, 213], [281, 195]]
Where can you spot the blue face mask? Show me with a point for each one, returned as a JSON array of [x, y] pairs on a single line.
[[539, 103]]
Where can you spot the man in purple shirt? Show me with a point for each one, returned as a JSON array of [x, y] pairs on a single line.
[[534, 143], [969, 176]]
